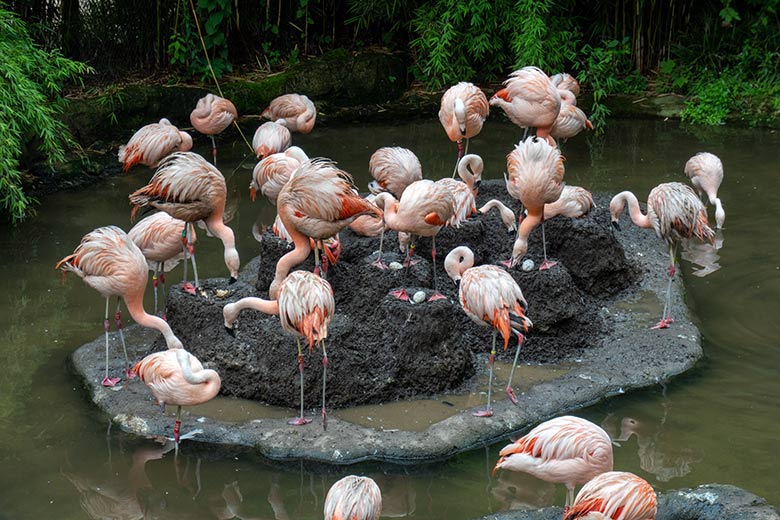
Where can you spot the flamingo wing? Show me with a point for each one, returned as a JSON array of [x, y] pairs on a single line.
[[535, 173], [678, 213], [616, 495], [306, 305]]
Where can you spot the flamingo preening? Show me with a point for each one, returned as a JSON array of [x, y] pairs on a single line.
[[464, 108], [706, 173], [294, 111], [152, 143], [211, 116], [614, 495], [270, 138]]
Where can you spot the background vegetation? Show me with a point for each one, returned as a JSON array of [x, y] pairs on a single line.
[[724, 55]]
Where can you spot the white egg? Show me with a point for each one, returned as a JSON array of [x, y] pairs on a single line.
[[418, 297], [528, 265], [395, 266]]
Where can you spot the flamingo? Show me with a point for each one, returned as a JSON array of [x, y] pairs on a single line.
[[464, 108], [615, 495], [507, 215], [273, 172], [574, 202], [675, 213], [566, 450], [158, 236], [565, 81], [530, 100], [706, 173], [270, 138], [570, 122], [353, 498], [305, 307], [317, 202], [536, 178], [152, 143], [368, 225], [109, 262], [176, 377], [490, 297], [188, 188], [464, 193], [424, 208], [211, 116], [294, 111]]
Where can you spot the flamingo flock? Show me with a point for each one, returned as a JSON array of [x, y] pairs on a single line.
[[315, 200]]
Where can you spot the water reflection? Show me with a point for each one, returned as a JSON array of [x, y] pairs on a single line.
[[703, 256]]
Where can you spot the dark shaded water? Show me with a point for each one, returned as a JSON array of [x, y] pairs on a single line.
[[717, 424]]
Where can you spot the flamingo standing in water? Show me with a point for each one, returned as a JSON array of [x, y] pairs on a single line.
[[211, 116], [109, 262], [565, 450], [530, 100], [272, 173], [614, 495], [305, 307], [317, 202], [353, 498], [270, 138], [464, 108], [424, 208], [536, 178], [158, 236], [295, 111], [188, 188], [675, 213], [490, 297], [464, 193], [706, 173], [152, 143], [176, 377]]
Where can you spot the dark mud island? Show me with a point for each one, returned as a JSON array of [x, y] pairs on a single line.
[[592, 315]]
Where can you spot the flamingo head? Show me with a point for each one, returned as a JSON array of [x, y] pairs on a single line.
[[229, 314], [233, 262], [518, 250], [457, 261], [186, 142]]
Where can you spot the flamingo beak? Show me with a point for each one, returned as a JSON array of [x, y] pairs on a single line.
[[252, 193], [232, 280], [616, 225], [497, 466]]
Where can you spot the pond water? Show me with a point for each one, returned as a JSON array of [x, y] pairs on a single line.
[[716, 424]]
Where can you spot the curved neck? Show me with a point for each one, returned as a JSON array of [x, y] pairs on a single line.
[[136, 308], [295, 257], [208, 377], [258, 304], [218, 228], [460, 114], [389, 206], [637, 217]]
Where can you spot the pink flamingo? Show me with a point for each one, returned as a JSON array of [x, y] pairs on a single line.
[[188, 188], [615, 495], [305, 307], [574, 202], [565, 81], [270, 138], [317, 202], [490, 297], [464, 108], [272, 173], [675, 213], [706, 173], [530, 100], [507, 215], [109, 262], [211, 116], [464, 193], [353, 498], [424, 208], [536, 178], [176, 377], [570, 122], [152, 143], [295, 111], [158, 236], [566, 450], [368, 225]]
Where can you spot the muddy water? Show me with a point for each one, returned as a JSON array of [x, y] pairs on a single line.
[[718, 424]]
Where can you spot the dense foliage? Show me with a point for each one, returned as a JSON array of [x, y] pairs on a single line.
[[29, 91]]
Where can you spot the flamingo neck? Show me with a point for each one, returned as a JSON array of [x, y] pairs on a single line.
[[135, 307], [258, 304], [295, 257], [208, 378], [460, 115], [533, 219], [220, 230], [720, 214], [637, 217], [390, 210]]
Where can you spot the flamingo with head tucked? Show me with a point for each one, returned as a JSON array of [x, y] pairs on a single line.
[[188, 188], [273, 171], [565, 81], [211, 116], [109, 262], [574, 202], [270, 138], [615, 495], [353, 498], [152, 143], [675, 213], [464, 108], [464, 193], [490, 297], [295, 111], [706, 173], [305, 306]]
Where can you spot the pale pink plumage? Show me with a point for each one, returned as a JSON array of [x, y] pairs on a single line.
[[570, 122], [353, 498], [706, 173], [464, 108], [270, 138], [614, 495], [424, 208], [565, 81], [213, 114], [566, 450], [507, 215], [273, 171], [158, 236], [464, 193], [176, 377], [529, 99], [368, 225], [574, 202], [152, 143], [295, 111], [393, 168]]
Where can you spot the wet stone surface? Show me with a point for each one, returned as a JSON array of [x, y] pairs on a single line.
[[590, 316]]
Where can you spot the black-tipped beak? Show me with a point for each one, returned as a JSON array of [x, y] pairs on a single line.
[[477, 184], [232, 280], [616, 225], [230, 331]]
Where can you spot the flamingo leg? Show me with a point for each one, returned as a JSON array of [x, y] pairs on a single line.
[[324, 378], [154, 284], [190, 232], [488, 411], [569, 498], [108, 381], [177, 429], [546, 264], [666, 318], [185, 285], [214, 149], [509, 390], [317, 267], [300, 421], [436, 294], [401, 293], [162, 283], [118, 322], [378, 262]]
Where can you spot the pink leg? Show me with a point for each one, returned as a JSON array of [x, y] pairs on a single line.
[[436, 294], [547, 263], [301, 420], [488, 411], [324, 378], [108, 381]]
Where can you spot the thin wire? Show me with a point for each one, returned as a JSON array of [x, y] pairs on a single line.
[[211, 69]]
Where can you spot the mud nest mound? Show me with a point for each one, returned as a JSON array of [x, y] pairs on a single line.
[[382, 349]]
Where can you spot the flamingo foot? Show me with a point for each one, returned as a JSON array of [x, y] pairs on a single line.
[[411, 261], [663, 324], [437, 296], [188, 288], [324, 420], [110, 381], [379, 264], [299, 421], [546, 265], [130, 374], [483, 413], [510, 393], [401, 294], [506, 263]]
